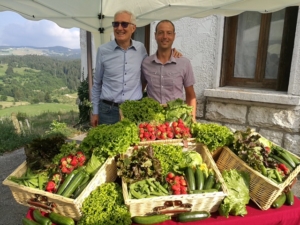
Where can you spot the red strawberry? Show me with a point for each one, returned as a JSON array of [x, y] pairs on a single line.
[[182, 183], [142, 130], [74, 161], [170, 175], [170, 135], [80, 156], [174, 124], [176, 187], [69, 158], [63, 161], [141, 125], [64, 169], [163, 136]]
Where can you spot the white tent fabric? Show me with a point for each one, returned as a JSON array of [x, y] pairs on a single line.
[[85, 14]]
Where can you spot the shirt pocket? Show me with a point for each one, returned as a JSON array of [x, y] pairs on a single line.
[[173, 82]]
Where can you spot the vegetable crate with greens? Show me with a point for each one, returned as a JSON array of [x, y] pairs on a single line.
[[272, 169], [155, 179], [47, 201]]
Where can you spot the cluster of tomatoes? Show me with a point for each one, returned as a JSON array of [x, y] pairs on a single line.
[[177, 184], [163, 131]]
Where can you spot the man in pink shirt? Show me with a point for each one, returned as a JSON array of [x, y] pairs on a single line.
[[165, 76]]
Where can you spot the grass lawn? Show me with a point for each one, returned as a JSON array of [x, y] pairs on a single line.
[[36, 109]]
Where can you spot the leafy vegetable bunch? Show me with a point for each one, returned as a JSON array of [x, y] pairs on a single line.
[[145, 110], [105, 205], [171, 157], [111, 140], [142, 164], [212, 135], [178, 109], [238, 183]]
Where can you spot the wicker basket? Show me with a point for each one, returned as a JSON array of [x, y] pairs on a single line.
[[208, 201], [185, 142], [48, 202], [263, 191]]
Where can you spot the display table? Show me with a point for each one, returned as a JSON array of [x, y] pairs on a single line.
[[286, 215]]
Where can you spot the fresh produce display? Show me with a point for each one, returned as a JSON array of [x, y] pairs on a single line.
[[42, 218], [177, 184], [145, 110], [146, 189], [237, 183], [38, 217], [212, 135], [263, 156], [111, 140], [163, 131], [105, 205], [192, 216]]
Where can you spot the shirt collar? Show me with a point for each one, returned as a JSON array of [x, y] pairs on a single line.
[[156, 60], [133, 44]]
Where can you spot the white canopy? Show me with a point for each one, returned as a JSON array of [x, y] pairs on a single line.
[[97, 15]]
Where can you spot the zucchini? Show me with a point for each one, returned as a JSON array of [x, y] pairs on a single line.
[[66, 182], [82, 186], [289, 197], [199, 179], [294, 158], [217, 185], [38, 217], [26, 221], [190, 178], [279, 201], [60, 219], [209, 182], [204, 191], [74, 183], [280, 160], [192, 216], [150, 219], [287, 158]]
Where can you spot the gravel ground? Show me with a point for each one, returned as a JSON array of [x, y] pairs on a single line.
[[11, 213]]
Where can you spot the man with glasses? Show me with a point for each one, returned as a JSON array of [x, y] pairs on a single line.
[[165, 76], [118, 71]]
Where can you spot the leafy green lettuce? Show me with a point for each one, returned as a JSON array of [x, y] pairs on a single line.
[[238, 193], [192, 158]]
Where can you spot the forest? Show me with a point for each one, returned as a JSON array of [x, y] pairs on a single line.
[[35, 78]]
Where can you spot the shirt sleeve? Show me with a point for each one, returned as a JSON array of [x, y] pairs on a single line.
[[189, 78], [97, 82]]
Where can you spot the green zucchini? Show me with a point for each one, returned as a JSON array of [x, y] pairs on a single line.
[[280, 160], [190, 178], [38, 217], [287, 158], [192, 216], [209, 182], [150, 219], [26, 221], [82, 186], [74, 183], [66, 182], [217, 185], [294, 158], [60, 219], [204, 191], [289, 197], [199, 179], [279, 201]]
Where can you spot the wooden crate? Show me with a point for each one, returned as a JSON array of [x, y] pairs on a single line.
[[207, 201], [52, 202]]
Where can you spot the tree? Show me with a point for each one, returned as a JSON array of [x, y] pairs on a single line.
[[9, 71], [47, 97], [3, 98]]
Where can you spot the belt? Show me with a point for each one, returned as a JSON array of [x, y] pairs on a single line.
[[111, 103]]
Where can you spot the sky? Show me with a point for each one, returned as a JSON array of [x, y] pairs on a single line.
[[15, 30]]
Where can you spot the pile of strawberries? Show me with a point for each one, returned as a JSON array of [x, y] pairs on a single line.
[[177, 183], [71, 162], [167, 130]]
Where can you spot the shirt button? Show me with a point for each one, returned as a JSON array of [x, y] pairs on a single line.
[[125, 73]]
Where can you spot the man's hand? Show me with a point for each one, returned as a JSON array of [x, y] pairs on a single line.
[[95, 120], [176, 54]]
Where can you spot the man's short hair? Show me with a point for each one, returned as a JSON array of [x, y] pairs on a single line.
[[165, 21], [132, 17]]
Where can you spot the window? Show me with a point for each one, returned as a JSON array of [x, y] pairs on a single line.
[[258, 48], [142, 34]]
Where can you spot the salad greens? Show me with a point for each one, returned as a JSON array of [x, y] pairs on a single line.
[[192, 159], [178, 109], [238, 183], [105, 205], [212, 135]]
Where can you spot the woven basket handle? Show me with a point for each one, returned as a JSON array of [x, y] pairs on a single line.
[[40, 201], [173, 207]]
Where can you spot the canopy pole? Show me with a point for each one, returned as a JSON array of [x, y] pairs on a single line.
[[89, 64]]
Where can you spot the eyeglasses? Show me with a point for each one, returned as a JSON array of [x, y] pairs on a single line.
[[123, 24]]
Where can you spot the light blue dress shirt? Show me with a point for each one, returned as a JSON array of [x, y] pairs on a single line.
[[118, 73]]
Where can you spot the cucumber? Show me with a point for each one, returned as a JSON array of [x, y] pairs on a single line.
[[289, 197], [190, 178], [294, 158], [279, 201], [60, 219], [204, 191], [287, 158], [192, 216], [38, 217], [66, 182], [74, 183], [199, 179], [26, 221], [209, 182], [217, 185], [280, 160], [150, 219]]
